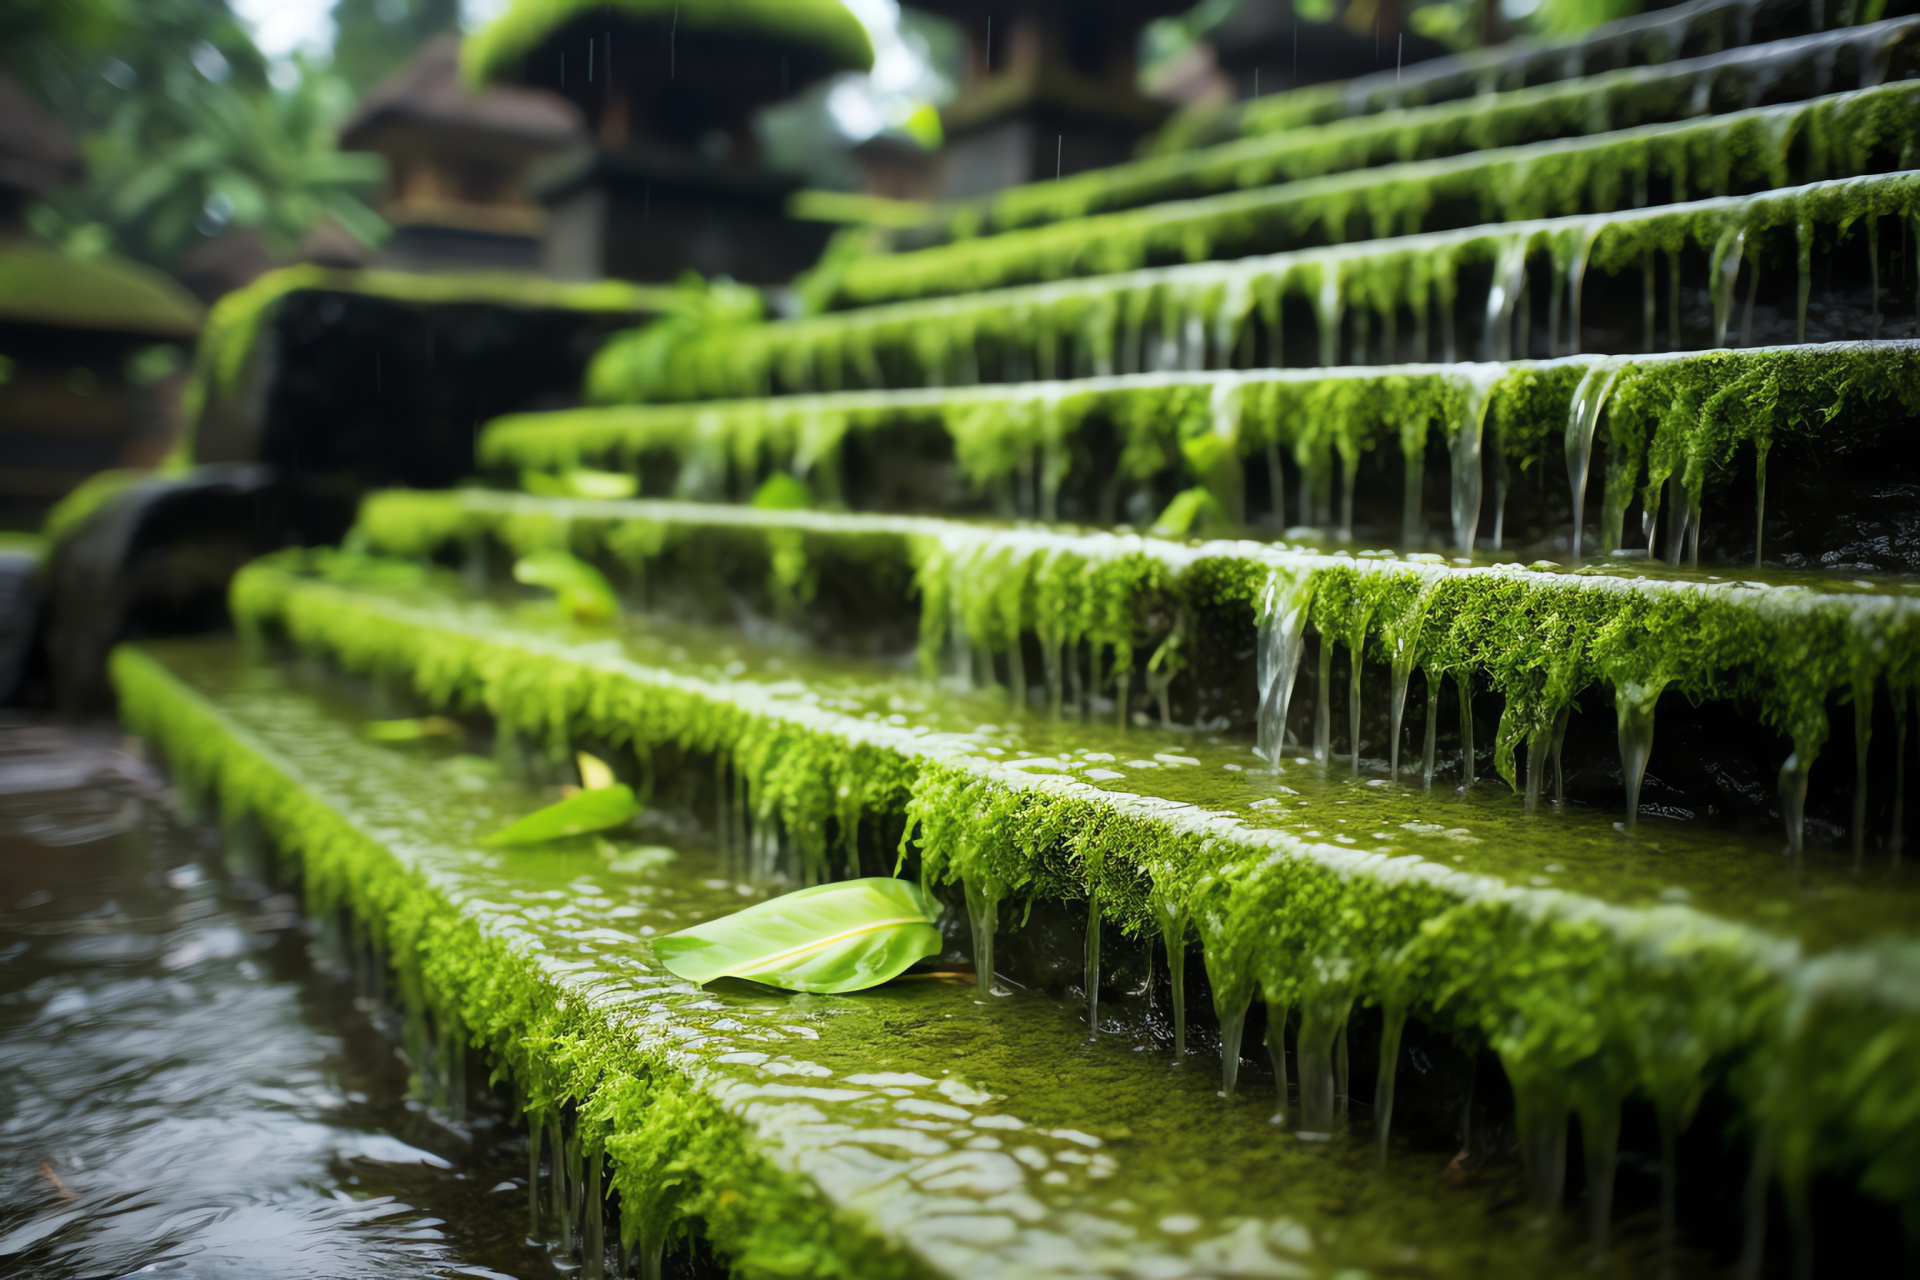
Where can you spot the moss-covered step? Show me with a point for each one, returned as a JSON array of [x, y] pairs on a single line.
[[1841, 135], [1695, 28], [1660, 429], [1438, 295], [1593, 972], [1849, 58], [911, 1130], [1194, 632]]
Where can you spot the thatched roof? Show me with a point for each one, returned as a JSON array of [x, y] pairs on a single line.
[[430, 91]]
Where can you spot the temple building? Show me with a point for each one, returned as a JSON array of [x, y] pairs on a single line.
[[458, 161], [1049, 89], [88, 347], [674, 179]]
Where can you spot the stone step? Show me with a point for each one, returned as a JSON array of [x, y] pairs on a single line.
[[1840, 135], [1612, 284], [1176, 629], [1654, 38], [916, 1129], [1730, 79], [1592, 975], [1427, 456]]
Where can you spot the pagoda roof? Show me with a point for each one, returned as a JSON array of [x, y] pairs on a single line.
[[431, 91], [824, 32], [39, 285]]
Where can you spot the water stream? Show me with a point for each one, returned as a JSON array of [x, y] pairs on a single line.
[[187, 1082]]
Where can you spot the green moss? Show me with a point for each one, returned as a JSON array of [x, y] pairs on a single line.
[[824, 30], [39, 285], [677, 1151], [1299, 150], [1822, 138], [1563, 986], [1201, 308], [1539, 639], [1681, 415]]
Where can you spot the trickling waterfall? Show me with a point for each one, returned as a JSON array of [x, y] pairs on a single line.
[[1277, 1054], [1723, 274], [1509, 272], [1465, 446], [1093, 966], [1355, 651], [1577, 278], [1322, 1017], [1173, 937], [1323, 705], [1862, 735], [1433, 728], [1396, 709], [1395, 1024], [1589, 397], [1793, 801], [1600, 1142], [1540, 1114], [983, 911], [1328, 306], [1464, 680], [1282, 640]]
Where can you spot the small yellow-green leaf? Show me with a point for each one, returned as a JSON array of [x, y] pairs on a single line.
[[830, 938], [575, 816], [581, 482], [412, 730], [595, 774], [581, 590]]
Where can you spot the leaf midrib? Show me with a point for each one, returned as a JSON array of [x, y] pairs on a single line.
[[781, 957]]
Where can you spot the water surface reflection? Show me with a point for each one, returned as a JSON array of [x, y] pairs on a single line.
[[182, 1088]]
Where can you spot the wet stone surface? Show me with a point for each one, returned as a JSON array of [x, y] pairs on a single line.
[[187, 1084], [987, 1131]]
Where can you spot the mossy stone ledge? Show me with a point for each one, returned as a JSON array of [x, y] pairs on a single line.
[[910, 1131], [1202, 315], [1564, 108], [1586, 994], [1841, 135], [1682, 417], [1783, 651]]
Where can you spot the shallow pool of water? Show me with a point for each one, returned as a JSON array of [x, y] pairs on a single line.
[[185, 1086]]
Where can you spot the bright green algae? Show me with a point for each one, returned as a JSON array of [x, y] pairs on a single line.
[[1783, 653], [1612, 984], [1196, 315], [907, 1130], [1683, 415], [1835, 136], [1567, 108]]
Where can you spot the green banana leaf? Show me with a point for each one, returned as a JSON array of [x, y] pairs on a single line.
[[830, 938], [575, 816]]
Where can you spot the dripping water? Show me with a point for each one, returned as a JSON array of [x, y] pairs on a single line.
[[1862, 735], [1433, 728], [1465, 444], [1323, 705], [1093, 966], [1508, 282], [1465, 681], [1803, 232], [1353, 702], [1173, 937], [1723, 274], [1282, 640], [1634, 703], [1328, 305], [983, 911], [1277, 1054], [1600, 1141], [1397, 706], [1793, 801], [1396, 1022], [1588, 400]]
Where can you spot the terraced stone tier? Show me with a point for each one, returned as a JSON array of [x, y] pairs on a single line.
[[1841, 135], [1643, 39], [909, 1131], [1172, 626], [1441, 294], [1662, 430], [1729, 80], [1592, 969]]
